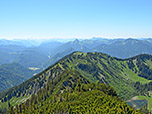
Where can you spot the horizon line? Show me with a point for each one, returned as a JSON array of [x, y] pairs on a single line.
[[72, 38]]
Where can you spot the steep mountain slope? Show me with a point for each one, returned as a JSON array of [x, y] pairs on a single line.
[[13, 74], [122, 75], [72, 93]]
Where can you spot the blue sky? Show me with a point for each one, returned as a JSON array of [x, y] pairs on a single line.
[[43, 19]]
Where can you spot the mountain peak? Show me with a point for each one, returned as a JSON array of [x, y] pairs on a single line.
[[76, 41]]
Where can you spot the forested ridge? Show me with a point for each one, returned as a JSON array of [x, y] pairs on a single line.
[[74, 95], [126, 76]]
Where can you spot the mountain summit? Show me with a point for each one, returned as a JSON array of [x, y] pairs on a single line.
[[76, 41]]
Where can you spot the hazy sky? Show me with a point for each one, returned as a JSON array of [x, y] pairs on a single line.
[[75, 18]]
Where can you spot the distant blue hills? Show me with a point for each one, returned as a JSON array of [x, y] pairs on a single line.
[[42, 53]]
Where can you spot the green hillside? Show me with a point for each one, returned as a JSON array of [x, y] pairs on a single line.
[[13, 74], [72, 93], [129, 77]]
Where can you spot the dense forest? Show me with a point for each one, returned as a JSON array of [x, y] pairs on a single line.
[[74, 95]]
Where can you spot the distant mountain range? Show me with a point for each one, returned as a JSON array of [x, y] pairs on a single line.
[[121, 48], [20, 42], [126, 48], [30, 53]]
